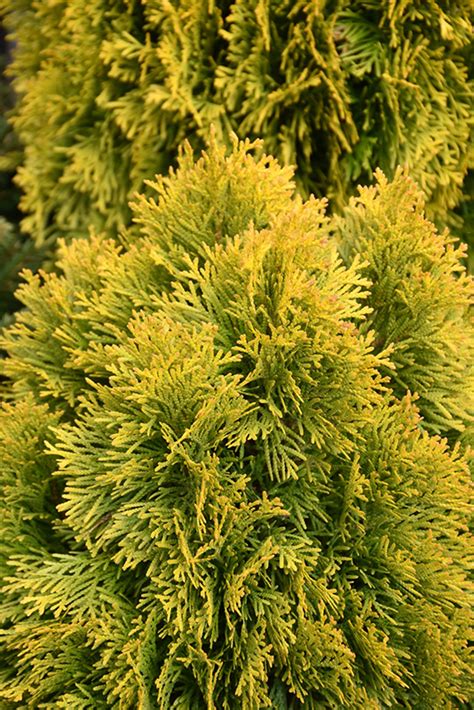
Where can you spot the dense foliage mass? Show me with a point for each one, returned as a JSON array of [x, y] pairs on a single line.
[[218, 491], [108, 90], [420, 298]]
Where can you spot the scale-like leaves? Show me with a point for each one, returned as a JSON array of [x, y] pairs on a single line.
[[216, 495], [109, 90]]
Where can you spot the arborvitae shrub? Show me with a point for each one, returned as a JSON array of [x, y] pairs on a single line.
[[108, 90], [212, 496], [420, 297]]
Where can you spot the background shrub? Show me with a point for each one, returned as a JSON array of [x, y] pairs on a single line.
[[108, 91]]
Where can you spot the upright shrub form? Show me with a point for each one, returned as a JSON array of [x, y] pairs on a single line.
[[213, 496], [108, 90]]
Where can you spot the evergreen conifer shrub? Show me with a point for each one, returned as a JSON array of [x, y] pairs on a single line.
[[420, 296], [108, 91], [218, 492]]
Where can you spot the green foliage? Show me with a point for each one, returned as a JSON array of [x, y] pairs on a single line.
[[214, 499], [108, 91], [420, 296], [409, 71]]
